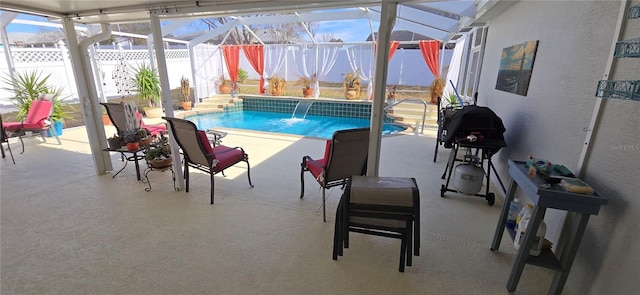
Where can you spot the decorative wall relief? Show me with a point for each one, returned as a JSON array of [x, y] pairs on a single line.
[[516, 66]]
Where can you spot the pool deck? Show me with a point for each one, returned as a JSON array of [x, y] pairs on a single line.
[[67, 230]]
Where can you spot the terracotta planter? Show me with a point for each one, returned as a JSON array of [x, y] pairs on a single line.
[[391, 96], [153, 112], [351, 94], [133, 146], [106, 120], [161, 163], [224, 89], [307, 92], [186, 105], [145, 142]]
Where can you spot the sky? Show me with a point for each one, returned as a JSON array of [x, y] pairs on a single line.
[[347, 30]]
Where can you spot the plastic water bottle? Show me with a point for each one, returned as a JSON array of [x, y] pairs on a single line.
[[514, 208], [536, 248], [526, 211]]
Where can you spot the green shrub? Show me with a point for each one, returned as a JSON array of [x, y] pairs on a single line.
[[242, 75]]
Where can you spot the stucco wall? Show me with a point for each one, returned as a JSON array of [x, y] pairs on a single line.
[[575, 38]]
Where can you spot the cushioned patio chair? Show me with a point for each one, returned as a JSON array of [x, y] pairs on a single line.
[[118, 118], [38, 119], [3, 140], [345, 155], [198, 152]]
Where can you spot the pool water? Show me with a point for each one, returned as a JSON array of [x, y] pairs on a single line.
[[311, 125]]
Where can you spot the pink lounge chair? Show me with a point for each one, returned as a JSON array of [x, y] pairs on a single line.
[[38, 120]]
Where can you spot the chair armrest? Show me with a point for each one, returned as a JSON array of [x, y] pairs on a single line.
[[229, 149], [308, 159]]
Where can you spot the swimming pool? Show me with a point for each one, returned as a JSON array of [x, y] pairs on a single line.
[[311, 125]]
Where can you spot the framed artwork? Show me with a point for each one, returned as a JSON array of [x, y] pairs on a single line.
[[516, 66]]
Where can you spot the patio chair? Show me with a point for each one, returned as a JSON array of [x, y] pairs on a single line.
[[119, 120], [3, 140], [38, 119], [198, 152], [345, 155]]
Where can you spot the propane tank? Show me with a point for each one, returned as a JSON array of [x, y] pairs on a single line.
[[468, 176]]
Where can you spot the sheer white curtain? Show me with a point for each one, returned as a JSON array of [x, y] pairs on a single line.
[[454, 66], [316, 59], [327, 54], [305, 59], [274, 56], [207, 59], [361, 60]]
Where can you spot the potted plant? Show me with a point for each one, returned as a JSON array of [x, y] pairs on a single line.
[[234, 90], [115, 142], [159, 154], [307, 85], [391, 89], [145, 137], [105, 117], [277, 85], [147, 86], [185, 90], [224, 85], [351, 85], [132, 139], [451, 100], [436, 88]]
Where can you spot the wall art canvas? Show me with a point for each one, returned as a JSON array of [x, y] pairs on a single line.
[[516, 66]]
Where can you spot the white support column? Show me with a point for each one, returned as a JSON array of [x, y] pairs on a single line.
[[387, 19], [66, 62], [597, 109], [156, 31], [194, 81], [87, 92], [7, 17]]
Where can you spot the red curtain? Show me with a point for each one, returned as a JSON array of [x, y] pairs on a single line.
[[232, 59], [393, 45], [430, 50], [255, 55]]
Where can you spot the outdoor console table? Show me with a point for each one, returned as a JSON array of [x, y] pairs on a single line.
[[135, 156], [582, 205]]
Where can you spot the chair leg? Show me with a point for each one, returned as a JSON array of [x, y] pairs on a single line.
[[249, 172], [212, 187], [403, 246], [302, 179], [9, 149], [21, 143], [324, 214], [186, 176], [337, 236], [409, 245]]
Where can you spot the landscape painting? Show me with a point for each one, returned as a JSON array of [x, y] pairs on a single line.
[[516, 66]]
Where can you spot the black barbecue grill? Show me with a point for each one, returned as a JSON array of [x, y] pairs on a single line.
[[474, 128]]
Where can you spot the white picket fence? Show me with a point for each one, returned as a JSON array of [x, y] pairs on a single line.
[[406, 68]]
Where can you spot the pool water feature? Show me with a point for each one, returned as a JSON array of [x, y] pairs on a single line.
[[302, 108], [311, 125]]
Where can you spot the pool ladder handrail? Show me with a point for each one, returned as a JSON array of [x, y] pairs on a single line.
[[424, 112]]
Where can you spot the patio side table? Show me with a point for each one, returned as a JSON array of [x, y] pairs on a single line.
[[129, 156], [161, 168], [582, 205]]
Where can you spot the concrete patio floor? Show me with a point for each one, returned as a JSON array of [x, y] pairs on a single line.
[[66, 230]]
